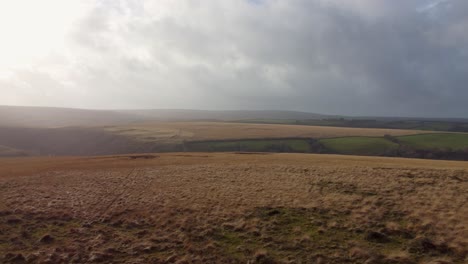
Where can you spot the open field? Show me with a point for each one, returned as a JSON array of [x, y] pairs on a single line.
[[159, 137], [199, 131], [431, 145], [453, 125], [446, 145], [439, 140], [218, 136], [257, 145], [52, 117], [359, 145], [233, 208]]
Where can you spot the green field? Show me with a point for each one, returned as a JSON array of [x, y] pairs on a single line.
[[270, 145], [436, 141], [359, 145], [385, 146], [428, 125], [437, 145]]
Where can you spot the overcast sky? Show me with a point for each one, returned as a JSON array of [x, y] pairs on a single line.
[[351, 57]]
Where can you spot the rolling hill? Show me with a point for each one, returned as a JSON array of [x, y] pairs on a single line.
[[226, 115], [12, 152], [160, 136], [21, 116], [70, 132]]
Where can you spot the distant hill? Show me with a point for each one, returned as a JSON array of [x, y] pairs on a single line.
[[68, 141], [20, 116], [226, 115], [12, 152]]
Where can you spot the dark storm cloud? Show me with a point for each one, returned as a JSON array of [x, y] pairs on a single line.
[[356, 57]]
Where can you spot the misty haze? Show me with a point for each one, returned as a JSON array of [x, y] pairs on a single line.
[[234, 131]]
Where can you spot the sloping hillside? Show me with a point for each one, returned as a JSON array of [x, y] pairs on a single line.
[[12, 152], [227, 115], [72, 141], [196, 131], [159, 136], [19, 116]]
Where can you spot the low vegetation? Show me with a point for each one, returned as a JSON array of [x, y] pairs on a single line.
[[272, 145], [215, 137], [449, 125], [233, 208], [205, 131], [436, 141], [359, 145], [429, 146], [177, 136]]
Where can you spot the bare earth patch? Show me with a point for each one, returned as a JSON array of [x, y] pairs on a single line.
[[231, 208]]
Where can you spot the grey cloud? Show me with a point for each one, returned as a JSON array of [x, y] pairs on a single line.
[[351, 57]]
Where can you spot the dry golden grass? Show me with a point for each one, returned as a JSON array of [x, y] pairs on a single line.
[[233, 208], [179, 131]]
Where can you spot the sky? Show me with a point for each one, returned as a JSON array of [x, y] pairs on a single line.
[[353, 57]]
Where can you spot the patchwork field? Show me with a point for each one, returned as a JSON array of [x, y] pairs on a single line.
[[233, 208], [253, 145], [453, 125], [199, 131], [437, 140], [359, 145], [220, 137]]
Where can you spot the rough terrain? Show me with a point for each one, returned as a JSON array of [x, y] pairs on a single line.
[[233, 208]]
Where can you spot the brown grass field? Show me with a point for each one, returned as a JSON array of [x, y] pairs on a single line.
[[193, 131], [233, 208]]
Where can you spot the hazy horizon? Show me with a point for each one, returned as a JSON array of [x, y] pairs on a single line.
[[350, 58], [238, 110]]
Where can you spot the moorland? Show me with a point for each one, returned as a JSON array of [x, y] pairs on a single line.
[[232, 208]]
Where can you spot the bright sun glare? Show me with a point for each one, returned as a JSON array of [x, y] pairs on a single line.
[[31, 30]]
